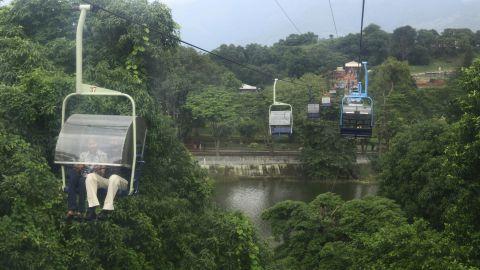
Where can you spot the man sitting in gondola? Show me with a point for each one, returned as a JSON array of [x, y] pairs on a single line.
[[77, 175], [111, 179], [75, 192]]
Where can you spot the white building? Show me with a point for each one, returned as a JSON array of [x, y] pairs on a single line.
[[247, 88]]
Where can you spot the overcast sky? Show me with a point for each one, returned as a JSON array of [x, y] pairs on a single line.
[[210, 23]]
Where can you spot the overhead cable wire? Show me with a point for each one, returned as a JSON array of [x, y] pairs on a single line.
[[288, 17], [153, 29], [333, 18], [290, 20]]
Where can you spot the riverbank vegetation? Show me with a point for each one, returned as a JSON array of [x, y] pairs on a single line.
[[427, 140], [329, 233], [429, 171]]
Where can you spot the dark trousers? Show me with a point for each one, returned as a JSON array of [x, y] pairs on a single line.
[[75, 190]]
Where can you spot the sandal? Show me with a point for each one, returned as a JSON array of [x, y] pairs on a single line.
[[91, 215], [104, 214], [78, 216], [70, 215]]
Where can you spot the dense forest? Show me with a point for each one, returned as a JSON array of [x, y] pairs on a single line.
[[427, 215], [298, 54]]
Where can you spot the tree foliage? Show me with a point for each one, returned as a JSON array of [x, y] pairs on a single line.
[[376, 44], [432, 170], [326, 155], [329, 233], [403, 40], [215, 106], [398, 102], [411, 170], [172, 224]]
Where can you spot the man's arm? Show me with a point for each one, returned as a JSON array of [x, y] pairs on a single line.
[[102, 158], [82, 158], [78, 167]]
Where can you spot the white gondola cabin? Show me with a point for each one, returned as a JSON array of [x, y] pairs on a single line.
[[326, 101], [280, 117], [313, 111]]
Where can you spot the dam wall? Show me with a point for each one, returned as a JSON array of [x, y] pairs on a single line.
[[251, 166]]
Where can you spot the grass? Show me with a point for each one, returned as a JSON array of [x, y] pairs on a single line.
[[446, 65]]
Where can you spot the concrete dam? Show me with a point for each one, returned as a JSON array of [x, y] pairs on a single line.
[[238, 163], [248, 165]]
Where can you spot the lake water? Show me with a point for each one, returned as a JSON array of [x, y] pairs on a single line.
[[253, 196]]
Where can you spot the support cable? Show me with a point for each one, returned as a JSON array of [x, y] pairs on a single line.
[[288, 17], [153, 29], [361, 33], [333, 18]]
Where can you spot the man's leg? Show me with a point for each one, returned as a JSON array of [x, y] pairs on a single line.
[[73, 179], [115, 182], [92, 183], [82, 192]]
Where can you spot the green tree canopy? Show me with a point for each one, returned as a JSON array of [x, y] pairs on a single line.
[[329, 233], [411, 170], [216, 106], [172, 224], [326, 155], [433, 168], [376, 45], [397, 101], [403, 42]]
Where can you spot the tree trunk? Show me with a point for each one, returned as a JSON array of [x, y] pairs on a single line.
[[382, 128], [387, 138], [383, 147]]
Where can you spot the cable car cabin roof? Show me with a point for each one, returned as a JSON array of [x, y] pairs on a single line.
[[280, 118], [99, 140], [313, 108]]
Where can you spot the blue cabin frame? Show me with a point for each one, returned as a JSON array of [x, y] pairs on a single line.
[[356, 112]]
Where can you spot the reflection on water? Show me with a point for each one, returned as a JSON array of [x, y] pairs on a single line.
[[253, 196]]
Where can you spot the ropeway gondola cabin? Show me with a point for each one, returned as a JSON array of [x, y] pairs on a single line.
[[356, 111], [280, 117], [119, 138]]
